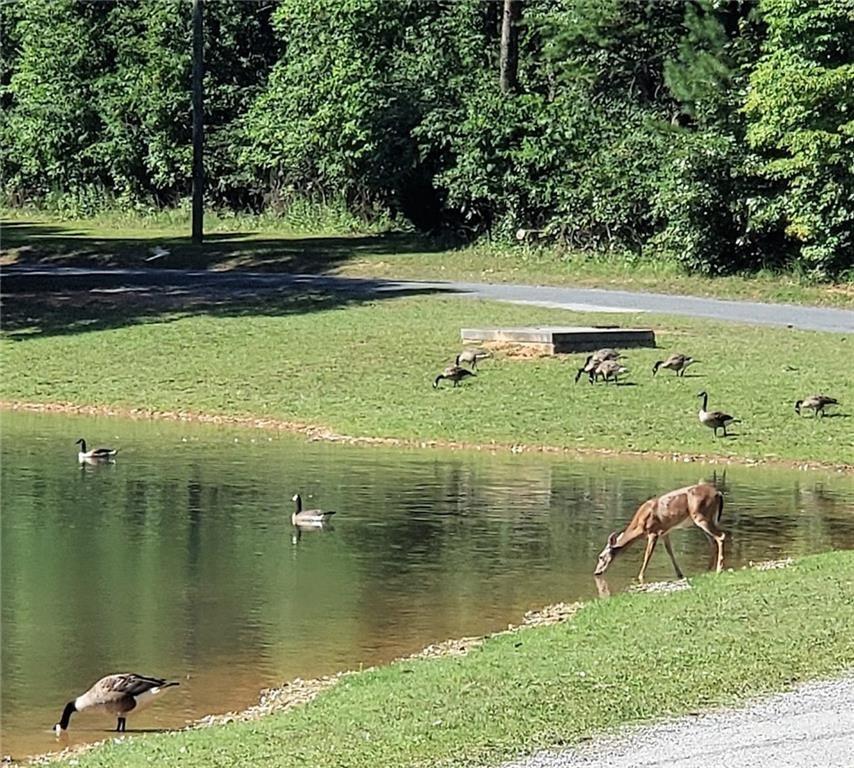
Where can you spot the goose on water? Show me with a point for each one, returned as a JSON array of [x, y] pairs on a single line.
[[677, 363], [308, 517], [96, 454], [117, 694], [714, 419], [815, 403]]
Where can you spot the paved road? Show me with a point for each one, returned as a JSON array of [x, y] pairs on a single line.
[[810, 727], [581, 299]]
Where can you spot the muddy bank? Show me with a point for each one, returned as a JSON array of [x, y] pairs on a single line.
[[298, 691], [321, 433]]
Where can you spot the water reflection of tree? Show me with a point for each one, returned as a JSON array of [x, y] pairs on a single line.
[[196, 550]]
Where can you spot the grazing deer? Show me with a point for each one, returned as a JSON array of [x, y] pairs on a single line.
[[699, 504]]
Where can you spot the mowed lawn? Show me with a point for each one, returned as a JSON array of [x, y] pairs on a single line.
[[365, 368], [628, 659]]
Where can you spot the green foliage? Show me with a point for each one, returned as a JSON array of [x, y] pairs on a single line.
[[716, 133], [98, 106], [801, 112], [52, 118], [334, 117]]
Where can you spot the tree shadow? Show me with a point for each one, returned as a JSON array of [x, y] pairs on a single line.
[[58, 282], [45, 244], [47, 307]]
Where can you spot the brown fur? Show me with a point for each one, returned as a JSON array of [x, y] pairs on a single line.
[[700, 504]]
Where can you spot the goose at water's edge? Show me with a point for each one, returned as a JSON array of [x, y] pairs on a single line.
[[308, 517], [118, 694], [96, 454]]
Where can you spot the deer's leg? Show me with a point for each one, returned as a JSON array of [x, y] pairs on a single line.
[[708, 527], [669, 547], [713, 551], [651, 541]]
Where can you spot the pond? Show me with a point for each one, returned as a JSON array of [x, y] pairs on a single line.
[[178, 560]]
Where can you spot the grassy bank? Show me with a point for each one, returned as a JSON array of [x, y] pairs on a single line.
[[327, 241], [365, 368], [624, 660]]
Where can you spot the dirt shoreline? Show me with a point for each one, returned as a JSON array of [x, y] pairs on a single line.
[[298, 691], [321, 433]]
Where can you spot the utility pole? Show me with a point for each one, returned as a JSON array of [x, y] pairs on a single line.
[[509, 55], [198, 122]]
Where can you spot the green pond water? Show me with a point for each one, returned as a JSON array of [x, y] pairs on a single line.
[[179, 559]]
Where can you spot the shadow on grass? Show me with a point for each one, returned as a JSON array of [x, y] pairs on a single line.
[[58, 281], [47, 244], [53, 309]]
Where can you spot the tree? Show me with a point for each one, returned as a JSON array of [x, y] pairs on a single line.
[[509, 58], [801, 123]]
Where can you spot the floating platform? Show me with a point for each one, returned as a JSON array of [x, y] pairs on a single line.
[[560, 339]]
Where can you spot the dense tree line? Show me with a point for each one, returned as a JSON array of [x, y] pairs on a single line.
[[718, 131]]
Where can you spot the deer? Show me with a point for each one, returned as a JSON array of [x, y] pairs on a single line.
[[700, 504]]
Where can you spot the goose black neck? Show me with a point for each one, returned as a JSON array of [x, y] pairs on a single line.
[[705, 396], [438, 379], [66, 715], [298, 502], [82, 443], [656, 367]]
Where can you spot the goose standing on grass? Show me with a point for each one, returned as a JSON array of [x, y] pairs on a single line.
[[610, 370], [117, 694], [677, 363], [96, 454], [589, 368], [310, 518], [715, 419], [593, 360], [471, 356], [815, 403], [453, 373]]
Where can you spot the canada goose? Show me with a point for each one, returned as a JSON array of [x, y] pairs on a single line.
[[589, 368], [308, 517], [118, 694], [471, 356], [714, 419], [610, 370], [453, 373], [96, 454], [815, 403], [593, 360], [677, 363]]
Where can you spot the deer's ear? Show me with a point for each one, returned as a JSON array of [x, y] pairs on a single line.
[[612, 539]]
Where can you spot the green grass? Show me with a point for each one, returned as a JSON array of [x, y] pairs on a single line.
[[628, 659], [313, 240], [365, 368]]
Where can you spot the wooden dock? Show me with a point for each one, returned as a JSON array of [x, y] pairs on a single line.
[[560, 339]]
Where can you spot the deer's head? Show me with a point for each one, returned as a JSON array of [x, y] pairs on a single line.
[[607, 555]]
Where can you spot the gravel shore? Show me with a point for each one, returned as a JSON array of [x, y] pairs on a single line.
[[809, 727]]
